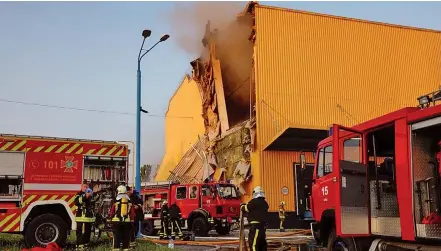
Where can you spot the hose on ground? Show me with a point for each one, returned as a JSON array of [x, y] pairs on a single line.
[[223, 242]]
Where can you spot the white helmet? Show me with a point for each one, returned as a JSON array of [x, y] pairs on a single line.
[[164, 202], [121, 189], [257, 189], [258, 192], [282, 203]]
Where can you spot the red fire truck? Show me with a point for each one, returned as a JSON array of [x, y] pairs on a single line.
[[39, 177], [376, 185], [198, 203]]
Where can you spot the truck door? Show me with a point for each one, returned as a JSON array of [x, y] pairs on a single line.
[[303, 182], [324, 183], [350, 165]]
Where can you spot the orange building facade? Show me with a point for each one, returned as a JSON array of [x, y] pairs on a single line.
[[287, 76]]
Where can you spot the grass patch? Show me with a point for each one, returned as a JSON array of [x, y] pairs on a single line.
[[12, 242]]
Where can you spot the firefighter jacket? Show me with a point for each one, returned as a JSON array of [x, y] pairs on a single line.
[[122, 210], [175, 212], [84, 208], [282, 212], [164, 213], [137, 201], [257, 210]]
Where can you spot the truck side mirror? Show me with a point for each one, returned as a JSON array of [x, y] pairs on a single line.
[[302, 160]]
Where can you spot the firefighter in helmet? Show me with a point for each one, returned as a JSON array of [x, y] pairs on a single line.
[[257, 210], [136, 201], [163, 233], [282, 215], [175, 218], [122, 215], [84, 216]]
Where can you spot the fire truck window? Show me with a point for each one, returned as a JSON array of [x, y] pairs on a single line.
[[352, 150], [193, 192], [181, 193], [206, 191], [324, 162]]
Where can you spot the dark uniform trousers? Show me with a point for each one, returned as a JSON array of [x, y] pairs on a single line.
[[175, 216], [164, 233], [257, 237], [84, 219], [122, 227], [257, 210], [121, 235], [139, 215]]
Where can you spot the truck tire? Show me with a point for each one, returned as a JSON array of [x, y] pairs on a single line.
[[199, 227], [340, 244], [45, 229], [223, 230], [148, 228]]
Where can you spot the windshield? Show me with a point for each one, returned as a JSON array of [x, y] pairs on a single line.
[[227, 191]]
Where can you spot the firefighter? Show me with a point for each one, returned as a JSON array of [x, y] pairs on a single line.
[[257, 210], [122, 215], [136, 201], [163, 233], [175, 218], [84, 216], [282, 215]]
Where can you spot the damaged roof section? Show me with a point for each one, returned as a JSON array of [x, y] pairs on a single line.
[[193, 167]]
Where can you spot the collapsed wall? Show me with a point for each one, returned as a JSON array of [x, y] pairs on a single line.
[[224, 75]]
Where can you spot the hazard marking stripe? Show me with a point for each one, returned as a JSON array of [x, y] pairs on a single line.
[[42, 197], [80, 151], [17, 229], [111, 150], [64, 197], [12, 224], [52, 147], [72, 148], [38, 149], [59, 150], [54, 197], [5, 220], [29, 199], [90, 151], [120, 152], [26, 149], [7, 145], [101, 151], [71, 200], [22, 143]]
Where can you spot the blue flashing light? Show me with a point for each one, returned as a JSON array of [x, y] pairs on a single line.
[[330, 131]]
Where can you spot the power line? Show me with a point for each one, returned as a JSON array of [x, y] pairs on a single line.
[[83, 109]]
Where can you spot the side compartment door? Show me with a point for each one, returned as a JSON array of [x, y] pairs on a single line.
[[350, 162]]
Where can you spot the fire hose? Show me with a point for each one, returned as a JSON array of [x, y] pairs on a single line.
[[232, 241]]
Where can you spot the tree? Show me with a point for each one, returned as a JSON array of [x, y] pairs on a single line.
[[146, 171]]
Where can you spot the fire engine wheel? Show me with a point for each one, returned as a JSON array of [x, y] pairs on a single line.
[[340, 244], [199, 226], [45, 229], [148, 228]]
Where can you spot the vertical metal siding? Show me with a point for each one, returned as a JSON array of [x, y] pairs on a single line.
[[314, 70], [309, 63], [278, 171]]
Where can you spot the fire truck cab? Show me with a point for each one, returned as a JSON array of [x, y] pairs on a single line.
[[198, 203], [376, 185]]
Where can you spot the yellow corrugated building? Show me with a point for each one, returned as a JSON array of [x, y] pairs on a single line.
[[183, 124], [312, 70]]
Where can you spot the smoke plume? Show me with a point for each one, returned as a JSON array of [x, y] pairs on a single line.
[[188, 19]]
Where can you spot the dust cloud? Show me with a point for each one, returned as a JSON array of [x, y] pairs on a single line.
[[187, 21]]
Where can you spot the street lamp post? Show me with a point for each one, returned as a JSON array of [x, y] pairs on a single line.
[[145, 34]]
